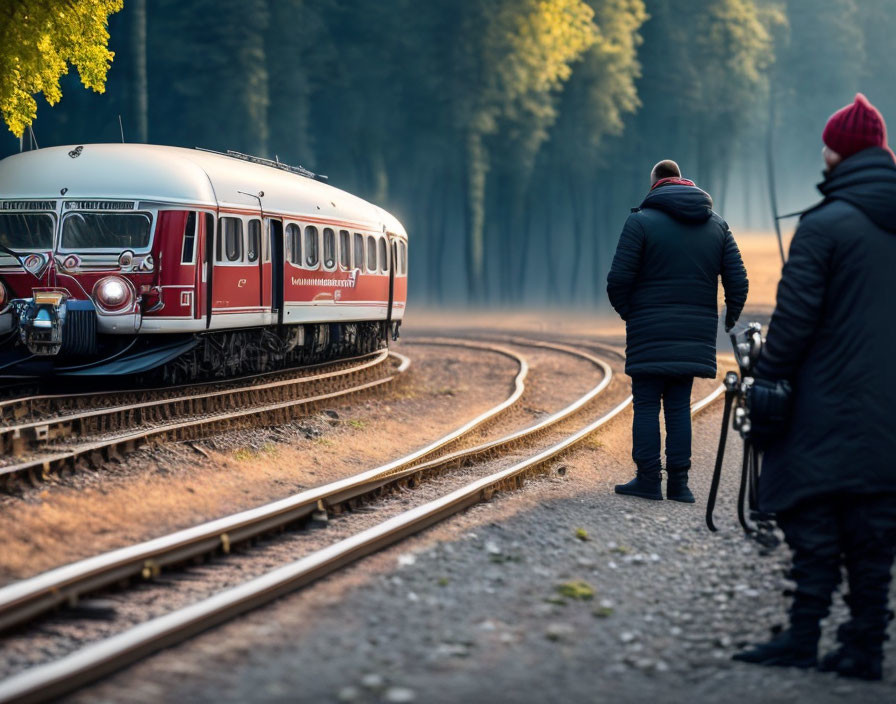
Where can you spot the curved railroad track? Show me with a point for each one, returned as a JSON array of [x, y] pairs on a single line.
[[21, 409], [24, 600], [182, 417]]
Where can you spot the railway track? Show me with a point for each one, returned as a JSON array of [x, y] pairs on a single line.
[[20, 409], [184, 417], [25, 599]]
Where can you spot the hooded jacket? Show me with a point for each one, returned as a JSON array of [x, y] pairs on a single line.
[[664, 281], [833, 336]]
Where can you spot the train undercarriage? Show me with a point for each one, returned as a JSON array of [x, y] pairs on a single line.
[[220, 354]]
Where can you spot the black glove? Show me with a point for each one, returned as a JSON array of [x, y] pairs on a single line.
[[730, 321]]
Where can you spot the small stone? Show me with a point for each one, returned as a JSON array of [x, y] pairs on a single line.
[[348, 694], [406, 559], [559, 631], [372, 680], [399, 694], [627, 637], [454, 650], [492, 548]]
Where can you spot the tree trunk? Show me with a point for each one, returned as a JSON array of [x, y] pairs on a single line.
[[139, 84]]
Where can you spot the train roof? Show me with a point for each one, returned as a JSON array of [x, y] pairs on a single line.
[[163, 174]]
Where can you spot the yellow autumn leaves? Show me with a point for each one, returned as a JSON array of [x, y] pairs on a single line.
[[40, 41]]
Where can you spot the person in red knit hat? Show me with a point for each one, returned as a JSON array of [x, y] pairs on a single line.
[[853, 129], [829, 475]]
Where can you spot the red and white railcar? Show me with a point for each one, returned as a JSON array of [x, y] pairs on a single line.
[[121, 258]]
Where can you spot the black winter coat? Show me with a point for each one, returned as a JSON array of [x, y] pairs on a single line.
[[833, 336], [664, 282]]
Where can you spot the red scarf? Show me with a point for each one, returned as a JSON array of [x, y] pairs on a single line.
[[672, 181]]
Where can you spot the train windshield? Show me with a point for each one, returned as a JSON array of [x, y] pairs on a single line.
[[26, 230], [105, 231]]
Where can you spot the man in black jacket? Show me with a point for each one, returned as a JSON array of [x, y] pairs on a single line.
[[831, 477], [664, 283]]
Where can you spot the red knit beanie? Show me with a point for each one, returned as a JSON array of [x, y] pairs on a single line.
[[854, 128]]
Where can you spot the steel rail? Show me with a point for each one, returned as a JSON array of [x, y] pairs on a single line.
[[283, 411], [19, 407], [13, 438], [98, 659], [23, 600]]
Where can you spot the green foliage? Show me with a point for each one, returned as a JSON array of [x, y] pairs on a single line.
[[40, 40]]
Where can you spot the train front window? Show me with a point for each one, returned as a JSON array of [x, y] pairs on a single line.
[[105, 231], [26, 230]]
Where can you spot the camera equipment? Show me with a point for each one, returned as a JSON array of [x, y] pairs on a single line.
[[770, 401]]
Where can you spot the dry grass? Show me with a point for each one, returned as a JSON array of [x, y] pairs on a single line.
[[763, 262], [162, 489]]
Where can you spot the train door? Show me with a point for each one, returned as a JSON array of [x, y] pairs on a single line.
[[239, 263], [392, 261], [275, 280], [207, 249]]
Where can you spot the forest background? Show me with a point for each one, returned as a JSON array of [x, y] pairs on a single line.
[[511, 137]]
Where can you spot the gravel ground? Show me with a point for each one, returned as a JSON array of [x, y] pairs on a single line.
[[495, 605], [484, 608]]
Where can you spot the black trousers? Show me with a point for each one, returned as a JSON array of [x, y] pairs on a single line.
[[648, 391], [854, 530]]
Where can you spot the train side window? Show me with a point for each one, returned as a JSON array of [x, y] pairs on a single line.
[[359, 251], [345, 249], [404, 258], [312, 253], [384, 252], [230, 240], [253, 246], [329, 249], [189, 249], [371, 254], [294, 244]]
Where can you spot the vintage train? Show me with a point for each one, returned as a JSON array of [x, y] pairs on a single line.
[[179, 264]]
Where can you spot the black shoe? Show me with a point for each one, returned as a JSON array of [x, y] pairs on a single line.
[[677, 486], [851, 661], [644, 486], [784, 650], [860, 654]]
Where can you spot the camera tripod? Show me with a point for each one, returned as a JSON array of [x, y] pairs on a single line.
[[759, 526]]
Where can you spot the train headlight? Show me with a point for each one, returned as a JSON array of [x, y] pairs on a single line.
[[4, 296], [113, 293]]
